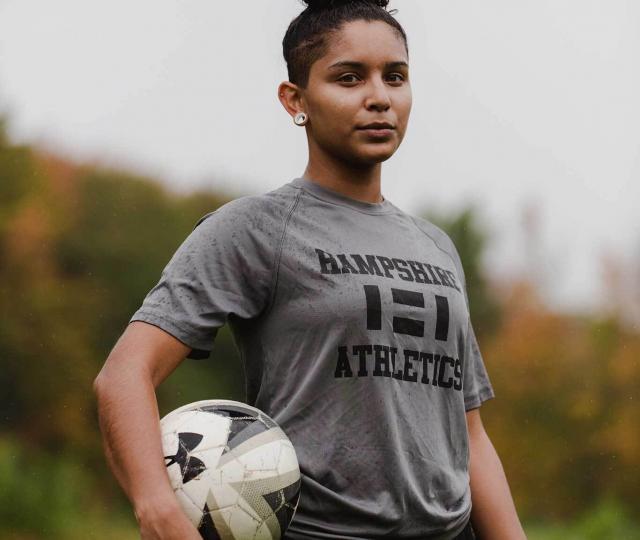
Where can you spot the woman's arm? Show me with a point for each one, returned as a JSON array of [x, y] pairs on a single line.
[[493, 514], [128, 412]]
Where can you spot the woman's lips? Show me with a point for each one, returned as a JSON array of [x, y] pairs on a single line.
[[378, 133]]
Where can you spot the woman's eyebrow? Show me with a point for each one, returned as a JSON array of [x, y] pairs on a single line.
[[361, 65]]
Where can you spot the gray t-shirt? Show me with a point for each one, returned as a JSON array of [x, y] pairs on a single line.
[[353, 325]]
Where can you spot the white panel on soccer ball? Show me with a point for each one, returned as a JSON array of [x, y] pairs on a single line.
[[174, 421], [244, 522], [213, 428], [193, 512], [175, 475], [225, 496], [288, 459], [263, 474], [170, 443], [264, 458], [224, 515], [197, 490], [232, 471]]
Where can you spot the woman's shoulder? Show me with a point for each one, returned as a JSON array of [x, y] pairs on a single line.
[[437, 235], [257, 211]]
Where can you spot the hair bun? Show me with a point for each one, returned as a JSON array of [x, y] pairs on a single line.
[[317, 5]]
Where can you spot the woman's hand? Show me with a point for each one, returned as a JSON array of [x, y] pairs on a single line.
[[167, 524]]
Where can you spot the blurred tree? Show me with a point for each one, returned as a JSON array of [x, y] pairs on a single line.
[[80, 248], [566, 425]]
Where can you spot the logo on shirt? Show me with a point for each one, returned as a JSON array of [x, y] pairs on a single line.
[[378, 360], [377, 265]]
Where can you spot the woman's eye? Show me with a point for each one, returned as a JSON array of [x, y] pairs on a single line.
[[353, 78], [345, 78], [399, 76]]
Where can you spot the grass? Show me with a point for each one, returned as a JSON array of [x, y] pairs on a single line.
[[608, 520]]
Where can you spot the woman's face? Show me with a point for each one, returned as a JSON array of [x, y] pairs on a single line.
[[362, 79]]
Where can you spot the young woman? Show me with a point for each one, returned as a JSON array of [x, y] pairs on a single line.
[[350, 315]]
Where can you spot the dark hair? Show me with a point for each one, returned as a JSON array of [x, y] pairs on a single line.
[[305, 39]]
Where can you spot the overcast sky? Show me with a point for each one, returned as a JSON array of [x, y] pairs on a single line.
[[516, 104]]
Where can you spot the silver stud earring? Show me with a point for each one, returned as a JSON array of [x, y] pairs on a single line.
[[300, 119]]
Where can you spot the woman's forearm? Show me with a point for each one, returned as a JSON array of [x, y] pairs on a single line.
[[493, 514], [129, 421], [128, 415]]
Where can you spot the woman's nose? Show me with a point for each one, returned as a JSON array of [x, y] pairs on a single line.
[[378, 97]]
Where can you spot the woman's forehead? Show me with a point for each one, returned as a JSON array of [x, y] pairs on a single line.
[[367, 42]]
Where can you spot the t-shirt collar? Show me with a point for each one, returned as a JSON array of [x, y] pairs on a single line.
[[334, 197]]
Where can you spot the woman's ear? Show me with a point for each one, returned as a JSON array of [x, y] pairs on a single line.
[[290, 95]]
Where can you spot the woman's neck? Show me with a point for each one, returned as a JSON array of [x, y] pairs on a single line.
[[362, 184]]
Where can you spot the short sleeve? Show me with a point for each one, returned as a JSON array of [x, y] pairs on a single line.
[[476, 385], [223, 268]]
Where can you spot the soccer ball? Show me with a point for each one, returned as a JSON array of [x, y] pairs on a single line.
[[233, 470]]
